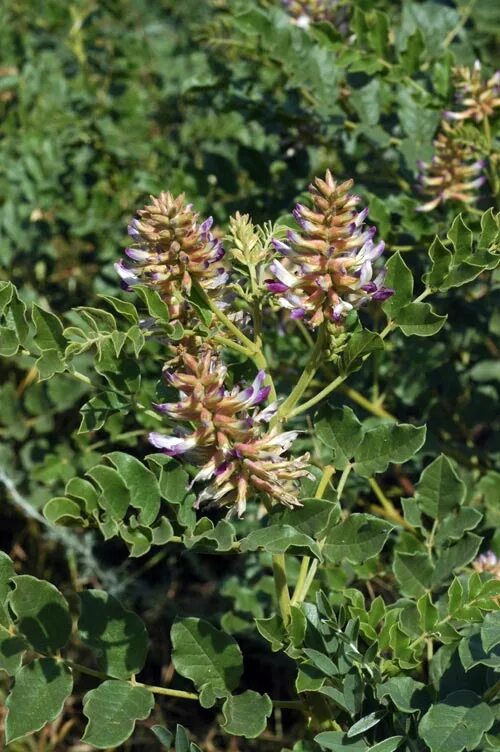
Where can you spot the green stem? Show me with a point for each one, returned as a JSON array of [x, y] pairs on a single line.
[[317, 397], [286, 409], [280, 578], [340, 379], [166, 691], [281, 585], [309, 578], [247, 347], [230, 344], [228, 324], [465, 14], [372, 407], [306, 560], [390, 510]]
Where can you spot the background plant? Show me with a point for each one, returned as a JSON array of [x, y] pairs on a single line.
[[378, 638]]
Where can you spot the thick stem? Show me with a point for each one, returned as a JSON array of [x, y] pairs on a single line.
[[280, 578], [281, 585], [309, 579], [306, 560]]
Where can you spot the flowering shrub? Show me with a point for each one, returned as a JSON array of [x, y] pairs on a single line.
[[211, 527]]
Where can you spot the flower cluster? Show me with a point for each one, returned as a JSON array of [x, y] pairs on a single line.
[[170, 249], [454, 172], [328, 266], [479, 98], [305, 12], [228, 438]]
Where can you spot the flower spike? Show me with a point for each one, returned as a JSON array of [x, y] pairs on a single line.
[[328, 265], [237, 455], [479, 98], [170, 249], [454, 174]]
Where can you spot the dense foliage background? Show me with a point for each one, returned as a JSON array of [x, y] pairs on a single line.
[[103, 103]]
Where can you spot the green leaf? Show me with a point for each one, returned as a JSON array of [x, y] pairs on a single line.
[[200, 306], [457, 523], [428, 613], [246, 714], [141, 484], [440, 490], [387, 443], [359, 346], [206, 537], [12, 649], [123, 307], [272, 629], [114, 497], [49, 331], [490, 229], [413, 572], [337, 741], [313, 518], [98, 409], [157, 309], [278, 539], [472, 653], [7, 571], [84, 491], [461, 238], [340, 430], [207, 656], [419, 319], [42, 613], [112, 710], [456, 556], [441, 259], [490, 631], [456, 723], [62, 511], [367, 722], [164, 736], [117, 636], [388, 745], [400, 279], [408, 695], [40, 690], [357, 538], [173, 480], [49, 363], [366, 102]]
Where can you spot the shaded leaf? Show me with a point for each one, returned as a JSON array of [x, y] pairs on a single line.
[[357, 538], [40, 690], [117, 636], [387, 443], [206, 655], [456, 723], [341, 431], [42, 613], [246, 714], [112, 710]]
